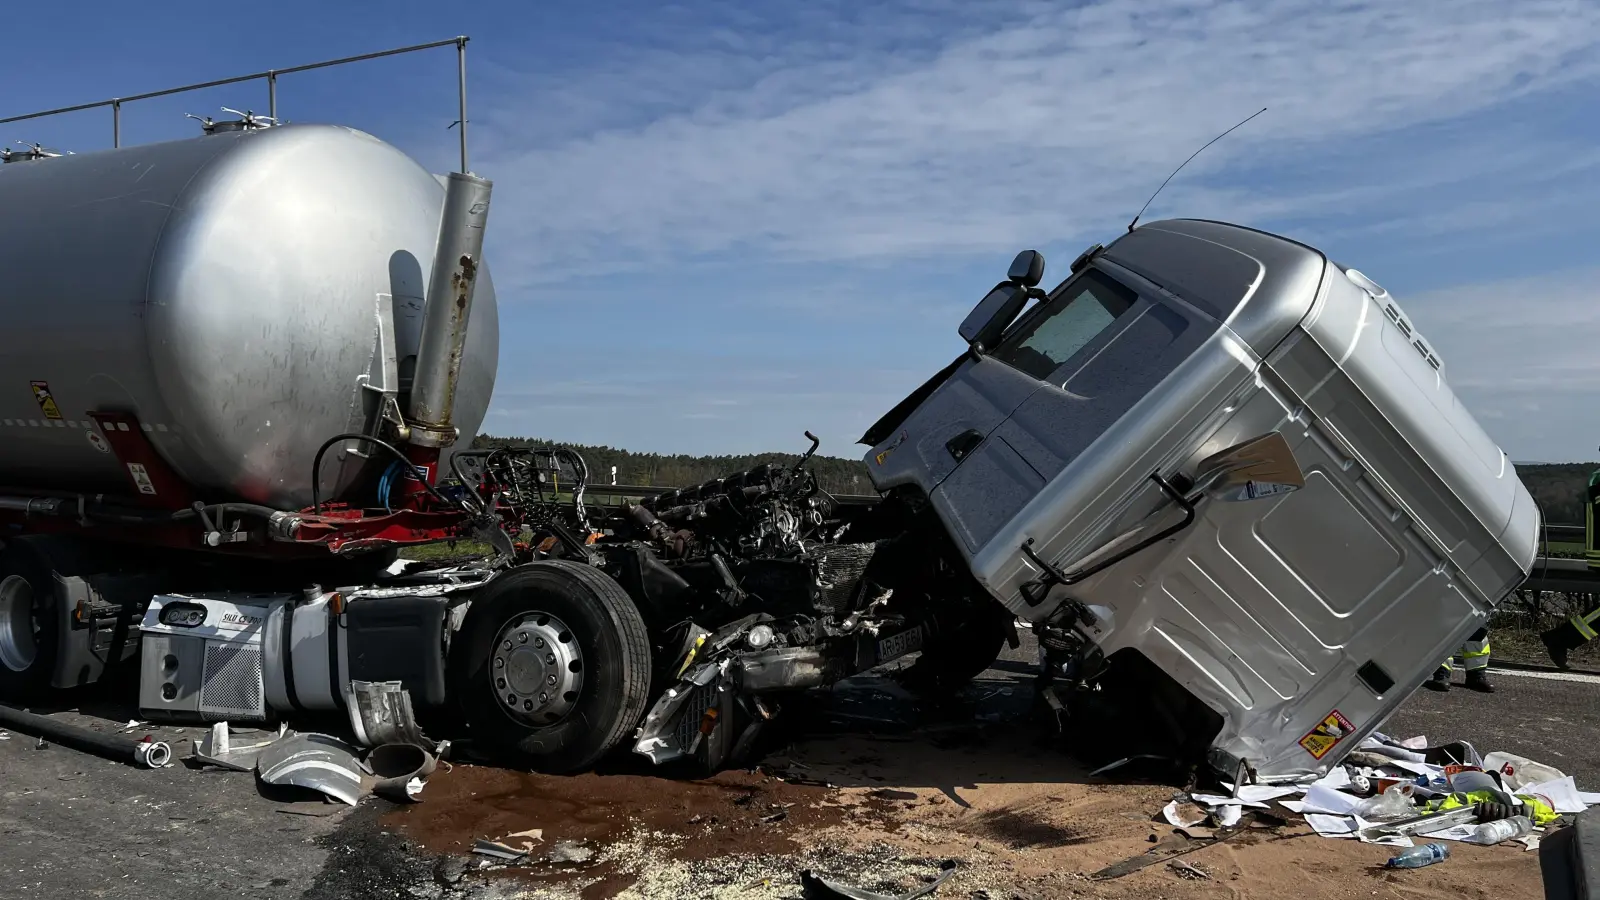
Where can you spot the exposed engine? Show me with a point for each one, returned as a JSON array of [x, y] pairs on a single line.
[[754, 585]]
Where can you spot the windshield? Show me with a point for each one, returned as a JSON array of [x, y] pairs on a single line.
[[1065, 324]]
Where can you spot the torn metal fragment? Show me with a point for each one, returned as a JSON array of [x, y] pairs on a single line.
[[314, 761], [818, 888]]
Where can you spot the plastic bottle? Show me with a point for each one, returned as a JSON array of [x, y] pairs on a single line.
[[1502, 830], [1394, 803], [1417, 857], [1519, 772]]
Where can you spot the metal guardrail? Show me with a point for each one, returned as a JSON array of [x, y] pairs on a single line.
[[1562, 576], [271, 77], [1570, 534]]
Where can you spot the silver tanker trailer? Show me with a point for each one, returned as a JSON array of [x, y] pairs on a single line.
[[1224, 477]]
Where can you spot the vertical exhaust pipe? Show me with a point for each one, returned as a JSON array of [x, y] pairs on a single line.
[[449, 306]]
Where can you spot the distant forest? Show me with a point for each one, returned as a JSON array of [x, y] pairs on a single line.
[[835, 475], [1559, 487]]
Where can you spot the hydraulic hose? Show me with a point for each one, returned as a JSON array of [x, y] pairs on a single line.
[[148, 754], [316, 466], [98, 511]]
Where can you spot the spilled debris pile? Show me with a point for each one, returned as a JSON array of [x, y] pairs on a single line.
[[1397, 793], [332, 767]]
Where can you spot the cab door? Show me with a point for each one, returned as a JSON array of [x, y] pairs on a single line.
[[943, 424]]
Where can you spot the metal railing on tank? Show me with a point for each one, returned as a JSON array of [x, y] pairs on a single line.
[[270, 76]]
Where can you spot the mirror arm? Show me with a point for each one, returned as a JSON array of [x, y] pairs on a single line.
[[1034, 591]]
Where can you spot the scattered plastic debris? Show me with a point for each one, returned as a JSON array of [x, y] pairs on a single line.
[[1388, 791], [1184, 815], [1417, 857], [570, 852]]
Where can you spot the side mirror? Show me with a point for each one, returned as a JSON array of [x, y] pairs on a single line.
[[1263, 466], [1027, 269], [988, 320]]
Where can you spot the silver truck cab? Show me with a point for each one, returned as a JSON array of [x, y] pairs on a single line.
[[1090, 455]]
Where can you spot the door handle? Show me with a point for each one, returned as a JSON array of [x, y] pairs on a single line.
[[964, 443]]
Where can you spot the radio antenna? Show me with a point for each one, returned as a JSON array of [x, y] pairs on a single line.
[[1186, 162]]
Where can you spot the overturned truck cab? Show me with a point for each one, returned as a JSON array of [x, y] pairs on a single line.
[[1226, 480]]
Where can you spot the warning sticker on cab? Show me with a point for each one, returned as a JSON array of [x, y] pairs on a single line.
[[47, 403], [891, 448], [1328, 733], [141, 478]]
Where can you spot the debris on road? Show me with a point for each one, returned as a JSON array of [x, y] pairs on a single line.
[[314, 761], [146, 753], [400, 770], [570, 852], [498, 850], [1186, 870], [1389, 791], [1417, 857], [817, 887], [219, 748]]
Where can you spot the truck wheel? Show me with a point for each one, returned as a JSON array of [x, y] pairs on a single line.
[[552, 666], [954, 657], [28, 626]]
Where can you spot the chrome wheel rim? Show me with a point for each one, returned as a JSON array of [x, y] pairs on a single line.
[[536, 669], [19, 643]]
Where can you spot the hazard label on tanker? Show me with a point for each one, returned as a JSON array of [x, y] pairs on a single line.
[[47, 403], [141, 478], [1328, 733]]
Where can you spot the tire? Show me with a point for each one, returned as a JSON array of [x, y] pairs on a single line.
[[955, 656], [613, 650], [29, 624]]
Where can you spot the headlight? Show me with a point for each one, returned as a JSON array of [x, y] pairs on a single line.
[[183, 615]]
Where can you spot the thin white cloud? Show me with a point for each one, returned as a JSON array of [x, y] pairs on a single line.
[[1520, 353], [1058, 123]]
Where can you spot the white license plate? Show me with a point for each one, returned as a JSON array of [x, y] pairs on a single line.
[[900, 644]]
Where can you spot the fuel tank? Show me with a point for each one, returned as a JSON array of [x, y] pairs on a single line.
[[232, 291]]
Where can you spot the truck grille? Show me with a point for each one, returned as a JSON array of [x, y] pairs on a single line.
[[839, 571], [231, 683], [700, 699]]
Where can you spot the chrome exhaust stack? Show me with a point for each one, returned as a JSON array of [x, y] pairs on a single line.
[[449, 306]]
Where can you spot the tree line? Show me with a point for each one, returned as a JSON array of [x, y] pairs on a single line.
[[1559, 488], [835, 474]]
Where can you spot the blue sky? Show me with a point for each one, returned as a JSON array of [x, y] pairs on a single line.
[[719, 224]]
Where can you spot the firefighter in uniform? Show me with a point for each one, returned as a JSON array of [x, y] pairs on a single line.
[[1474, 658], [1583, 627]]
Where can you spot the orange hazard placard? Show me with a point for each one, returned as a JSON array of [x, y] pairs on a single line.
[[1328, 733], [47, 403]]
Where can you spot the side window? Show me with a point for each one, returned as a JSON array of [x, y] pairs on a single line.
[[1066, 323]]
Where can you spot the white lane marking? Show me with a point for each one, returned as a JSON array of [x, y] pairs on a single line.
[[1550, 676]]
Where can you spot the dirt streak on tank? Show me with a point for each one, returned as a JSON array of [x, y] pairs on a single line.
[[226, 289]]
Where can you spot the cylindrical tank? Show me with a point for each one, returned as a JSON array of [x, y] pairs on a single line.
[[228, 290]]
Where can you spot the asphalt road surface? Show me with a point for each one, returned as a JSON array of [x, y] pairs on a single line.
[[1552, 717], [74, 825]]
